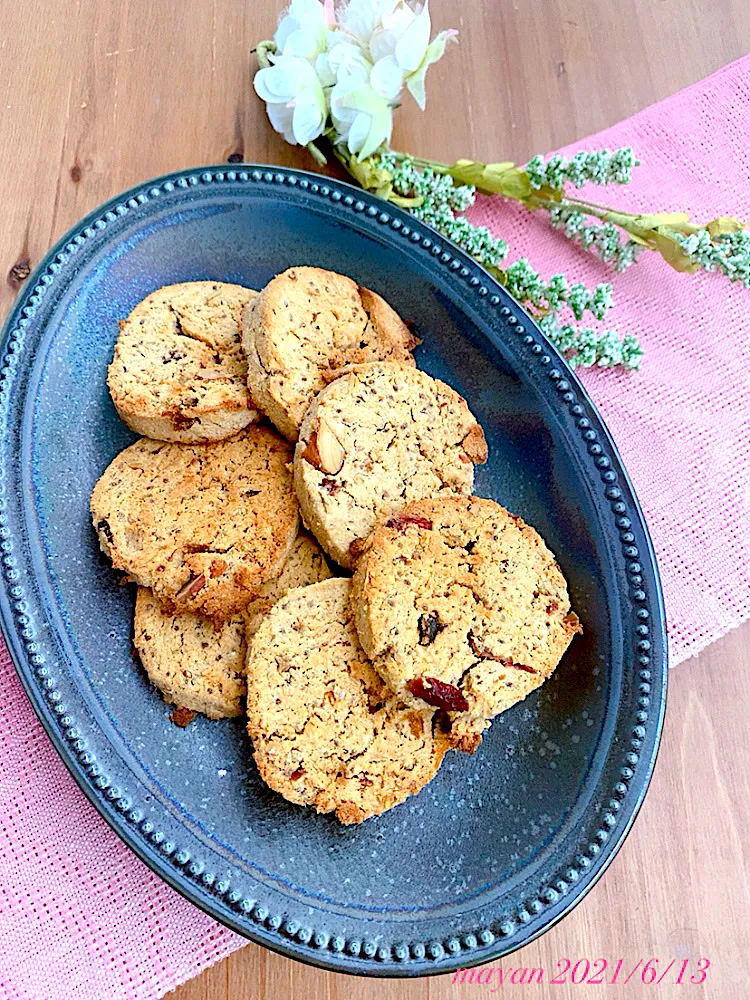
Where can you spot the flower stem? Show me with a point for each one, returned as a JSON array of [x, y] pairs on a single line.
[[316, 154], [262, 51], [420, 161], [625, 220]]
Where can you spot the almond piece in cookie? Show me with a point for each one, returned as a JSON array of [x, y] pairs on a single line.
[[375, 439], [200, 666]]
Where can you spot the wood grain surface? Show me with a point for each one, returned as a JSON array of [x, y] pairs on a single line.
[[97, 95]]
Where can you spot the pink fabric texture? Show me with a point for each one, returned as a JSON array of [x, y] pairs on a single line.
[[82, 918]]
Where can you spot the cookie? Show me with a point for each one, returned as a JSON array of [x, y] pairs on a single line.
[[179, 372], [305, 564], [375, 439], [192, 662], [201, 666], [326, 731], [461, 606], [203, 525], [306, 324]]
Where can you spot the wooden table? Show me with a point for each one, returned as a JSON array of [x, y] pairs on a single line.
[[98, 95]]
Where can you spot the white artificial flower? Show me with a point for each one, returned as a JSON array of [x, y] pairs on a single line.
[[393, 25], [362, 118], [361, 115], [360, 18], [295, 101], [303, 31], [343, 61], [396, 38], [353, 69]]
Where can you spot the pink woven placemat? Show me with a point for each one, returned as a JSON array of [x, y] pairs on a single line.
[[83, 919]]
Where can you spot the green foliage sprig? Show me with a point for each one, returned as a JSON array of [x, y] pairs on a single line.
[[438, 194], [437, 199]]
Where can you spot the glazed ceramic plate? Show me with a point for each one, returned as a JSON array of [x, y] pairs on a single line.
[[500, 845]]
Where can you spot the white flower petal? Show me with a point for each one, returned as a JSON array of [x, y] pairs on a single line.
[[302, 32], [358, 132], [361, 17], [302, 44], [435, 51], [363, 98], [296, 103], [272, 84], [286, 26], [323, 69], [349, 64], [372, 124], [399, 19], [307, 121], [415, 86], [280, 116], [380, 131], [382, 44], [412, 45], [342, 116], [385, 37], [310, 15], [387, 78], [285, 79]]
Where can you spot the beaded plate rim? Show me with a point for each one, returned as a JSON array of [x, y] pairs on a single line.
[[175, 864]]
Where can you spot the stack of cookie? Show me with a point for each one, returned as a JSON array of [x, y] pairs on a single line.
[[355, 688]]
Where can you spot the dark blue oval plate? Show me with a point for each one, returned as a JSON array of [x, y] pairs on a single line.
[[500, 845]]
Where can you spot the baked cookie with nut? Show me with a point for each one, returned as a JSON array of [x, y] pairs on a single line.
[[305, 325], [379, 437], [179, 372], [203, 525], [325, 729], [461, 606], [200, 666]]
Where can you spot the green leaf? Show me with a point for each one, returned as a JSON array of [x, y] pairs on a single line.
[[374, 178], [639, 239], [724, 225], [512, 182], [468, 172], [368, 176], [498, 274], [493, 178]]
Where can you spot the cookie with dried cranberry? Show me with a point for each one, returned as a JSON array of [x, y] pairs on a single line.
[[201, 666], [325, 729], [203, 525], [461, 606], [179, 372], [305, 325], [376, 438]]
